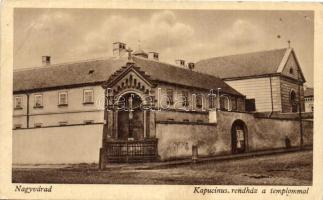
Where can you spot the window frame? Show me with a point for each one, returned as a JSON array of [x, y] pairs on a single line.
[[21, 102], [185, 99], [59, 99], [212, 101], [38, 125], [17, 126], [170, 101], [92, 97], [87, 122], [41, 104], [63, 123], [199, 100]]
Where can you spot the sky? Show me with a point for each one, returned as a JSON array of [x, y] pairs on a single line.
[[69, 35]]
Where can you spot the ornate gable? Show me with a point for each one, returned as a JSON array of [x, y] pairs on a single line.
[[127, 78]]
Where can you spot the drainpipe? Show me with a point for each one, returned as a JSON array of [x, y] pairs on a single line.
[[27, 116], [271, 96], [300, 110]]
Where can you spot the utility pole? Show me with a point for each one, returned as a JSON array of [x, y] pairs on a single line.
[[300, 109]]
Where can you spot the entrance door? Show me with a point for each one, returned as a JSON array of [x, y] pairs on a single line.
[[130, 118], [238, 135]]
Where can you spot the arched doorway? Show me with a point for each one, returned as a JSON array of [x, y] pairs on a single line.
[[130, 117], [239, 133]]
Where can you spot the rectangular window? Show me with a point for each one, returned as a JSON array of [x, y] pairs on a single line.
[[62, 123], [185, 98], [88, 121], [170, 96], [62, 98], [199, 101], [38, 125], [88, 96], [212, 101], [17, 126], [38, 101], [18, 102]]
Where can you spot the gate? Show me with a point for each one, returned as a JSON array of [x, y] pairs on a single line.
[[131, 151]]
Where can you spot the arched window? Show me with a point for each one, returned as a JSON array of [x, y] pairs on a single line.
[[293, 100]]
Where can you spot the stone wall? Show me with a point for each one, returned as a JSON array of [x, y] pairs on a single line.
[[175, 140], [266, 133], [181, 116]]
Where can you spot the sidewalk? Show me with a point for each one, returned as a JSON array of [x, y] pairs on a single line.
[[165, 164], [155, 165]]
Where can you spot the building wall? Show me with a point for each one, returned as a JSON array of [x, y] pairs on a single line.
[[51, 114], [57, 145], [260, 90], [264, 133], [291, 64], [286, 87], [182, 116], [177, 93], [82, 117], [309, 104], [176, 140]]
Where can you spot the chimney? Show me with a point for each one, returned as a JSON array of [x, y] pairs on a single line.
[[191, 65], [153, 55], [46, 60], [119, 50], [180, 63]]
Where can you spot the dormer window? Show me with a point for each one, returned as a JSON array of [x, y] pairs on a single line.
[[291, 71]]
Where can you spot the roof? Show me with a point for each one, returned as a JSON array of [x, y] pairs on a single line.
[[98, 71], [165, 72], [65, 74], [242, 65], [309, 92]]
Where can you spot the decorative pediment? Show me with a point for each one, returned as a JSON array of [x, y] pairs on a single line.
[[127, 78]]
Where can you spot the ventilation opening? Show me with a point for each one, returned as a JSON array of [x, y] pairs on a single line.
[[88, 121]]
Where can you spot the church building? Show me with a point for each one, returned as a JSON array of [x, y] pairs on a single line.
[[271, 80], [132, 107]]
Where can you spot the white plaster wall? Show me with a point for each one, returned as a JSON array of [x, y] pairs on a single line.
[[57, 145], [259, 89], [71, 118], [308, 105]]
